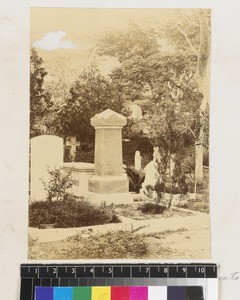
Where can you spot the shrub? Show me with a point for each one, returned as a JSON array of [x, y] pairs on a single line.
[[59, 181], [152, 208], [136, 178], [70, 213]]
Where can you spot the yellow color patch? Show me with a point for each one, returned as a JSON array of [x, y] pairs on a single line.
[[101, 293]]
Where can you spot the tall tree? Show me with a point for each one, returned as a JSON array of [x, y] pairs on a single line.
[[187, 34], [191, 33], [90, 94], [40, 99]]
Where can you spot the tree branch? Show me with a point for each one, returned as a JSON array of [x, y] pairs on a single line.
[[187, 39]]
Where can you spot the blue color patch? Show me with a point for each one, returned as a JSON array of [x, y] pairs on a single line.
[[43, 293]]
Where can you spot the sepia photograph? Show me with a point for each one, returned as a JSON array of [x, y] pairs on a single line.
[[119, 133]]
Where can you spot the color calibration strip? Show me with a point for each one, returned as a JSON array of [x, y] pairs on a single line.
[[120, 293], [108, 281]]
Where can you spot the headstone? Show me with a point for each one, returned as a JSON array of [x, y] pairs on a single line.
[[109, 177], [199, 161], [137, 161], [156, 154], [73, 143], [46, 153], [151, 174], [136, 112]]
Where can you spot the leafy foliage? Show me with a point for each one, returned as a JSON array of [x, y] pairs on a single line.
[[152, 208], [127, 44], [135, 177], [40, 99], [59, 181], [69, 213], [90, 94]]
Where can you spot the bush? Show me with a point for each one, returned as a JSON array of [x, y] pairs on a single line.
[[69, 213], [136, 178], [152, 208], [59, 181]]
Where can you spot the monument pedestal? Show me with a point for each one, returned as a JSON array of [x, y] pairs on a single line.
[[113, 198], [108, 184]]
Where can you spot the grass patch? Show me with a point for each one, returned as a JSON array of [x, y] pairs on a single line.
[[165, 233], [70, 213], [152, 208], [197, 206], [111, 245]]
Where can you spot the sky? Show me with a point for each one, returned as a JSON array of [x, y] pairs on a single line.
[[72, 33], [78, 28]]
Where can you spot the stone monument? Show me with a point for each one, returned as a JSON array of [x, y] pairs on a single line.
[[109, 182]]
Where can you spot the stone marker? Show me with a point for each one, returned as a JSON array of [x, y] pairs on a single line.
[[199, 161], [73, 143], [136, 111], [137, 160], [46, 152], [156, 154], [109, 178]]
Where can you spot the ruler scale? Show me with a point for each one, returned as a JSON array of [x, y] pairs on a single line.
[[46, 278]]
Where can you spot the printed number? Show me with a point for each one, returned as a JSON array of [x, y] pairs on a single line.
[[184, 270], [54, 270], [147, 270], [110, 270], [73, 270], [165, 270], [201, 270], [91, 270]]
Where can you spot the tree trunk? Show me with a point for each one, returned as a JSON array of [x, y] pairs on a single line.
[[203, 79]]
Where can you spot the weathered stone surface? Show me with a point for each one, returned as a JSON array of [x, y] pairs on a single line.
[[81, 172], [109, 177], [46, 153], [108, 184]]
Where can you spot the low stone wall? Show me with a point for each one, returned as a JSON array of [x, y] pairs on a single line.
[[81, 172]]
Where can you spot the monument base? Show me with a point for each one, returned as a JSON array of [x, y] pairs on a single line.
[[108, 184], [117, 198]]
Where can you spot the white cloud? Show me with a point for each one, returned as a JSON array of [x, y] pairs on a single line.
[[53, 41]]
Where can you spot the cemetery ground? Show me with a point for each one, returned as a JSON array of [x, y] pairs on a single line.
[[134, 230]]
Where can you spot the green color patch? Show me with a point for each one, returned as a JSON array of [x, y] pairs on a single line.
[[82, 293]]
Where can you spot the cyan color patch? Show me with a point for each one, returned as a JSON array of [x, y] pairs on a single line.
[[62, 293]]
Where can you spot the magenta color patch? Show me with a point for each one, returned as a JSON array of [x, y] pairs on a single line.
[[138, 293]]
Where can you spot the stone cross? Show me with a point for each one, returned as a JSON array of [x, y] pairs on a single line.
[[137, 160], [73, 143], [109, 176]]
